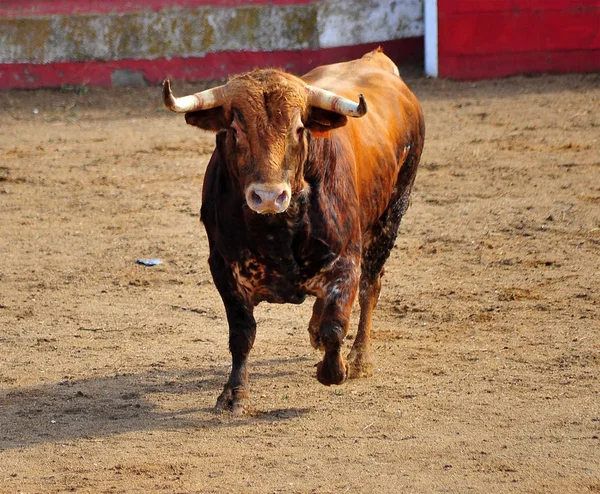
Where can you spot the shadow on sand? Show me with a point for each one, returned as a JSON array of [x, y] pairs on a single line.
[[97, 407]]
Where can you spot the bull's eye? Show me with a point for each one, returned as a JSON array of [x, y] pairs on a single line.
[[235, 129], [299, 131], [235, 136]]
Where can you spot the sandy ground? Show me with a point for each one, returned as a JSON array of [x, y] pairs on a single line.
[[486, 341]]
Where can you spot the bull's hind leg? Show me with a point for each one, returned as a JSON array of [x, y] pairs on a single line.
[[376, 250], [359, 358]]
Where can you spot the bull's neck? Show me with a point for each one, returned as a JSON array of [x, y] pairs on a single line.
[[321, 159]]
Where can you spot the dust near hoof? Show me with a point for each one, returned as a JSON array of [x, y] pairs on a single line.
[[357, 369], [359, 365], [235, 401]]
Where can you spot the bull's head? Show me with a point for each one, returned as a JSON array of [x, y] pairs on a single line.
[[265, 116]]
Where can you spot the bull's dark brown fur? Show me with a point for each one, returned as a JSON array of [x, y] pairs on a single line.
[[350, 190]]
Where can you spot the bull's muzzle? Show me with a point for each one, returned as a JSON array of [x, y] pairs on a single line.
[[268, 198]]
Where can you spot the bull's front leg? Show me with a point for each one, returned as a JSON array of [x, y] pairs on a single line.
[[338, 293], [242, 331]]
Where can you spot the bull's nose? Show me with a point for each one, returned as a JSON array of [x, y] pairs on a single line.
[[267, 198]]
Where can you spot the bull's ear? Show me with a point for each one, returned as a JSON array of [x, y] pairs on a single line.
[[212, 119], [320, 121]]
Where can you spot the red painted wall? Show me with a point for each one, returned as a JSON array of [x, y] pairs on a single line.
[[480, 39]]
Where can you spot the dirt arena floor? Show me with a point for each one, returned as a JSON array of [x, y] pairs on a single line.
[[487, 340]]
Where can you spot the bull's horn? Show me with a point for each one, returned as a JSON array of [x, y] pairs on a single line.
[[321, 98], [205, 100]]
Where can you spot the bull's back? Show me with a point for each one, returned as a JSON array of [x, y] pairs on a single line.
[[382, 141]]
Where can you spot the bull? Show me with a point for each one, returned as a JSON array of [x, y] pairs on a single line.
[[299, 199]]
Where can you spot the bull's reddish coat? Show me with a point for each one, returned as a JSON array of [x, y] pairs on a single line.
[[350, 181]]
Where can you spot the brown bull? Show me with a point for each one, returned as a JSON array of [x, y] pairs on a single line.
[[300, 200]]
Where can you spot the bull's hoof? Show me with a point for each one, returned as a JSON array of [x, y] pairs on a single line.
[[235, 400], [332, 370], [359, 365]]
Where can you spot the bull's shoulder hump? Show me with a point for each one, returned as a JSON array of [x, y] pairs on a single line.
[[375, 59], [350, 81]]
